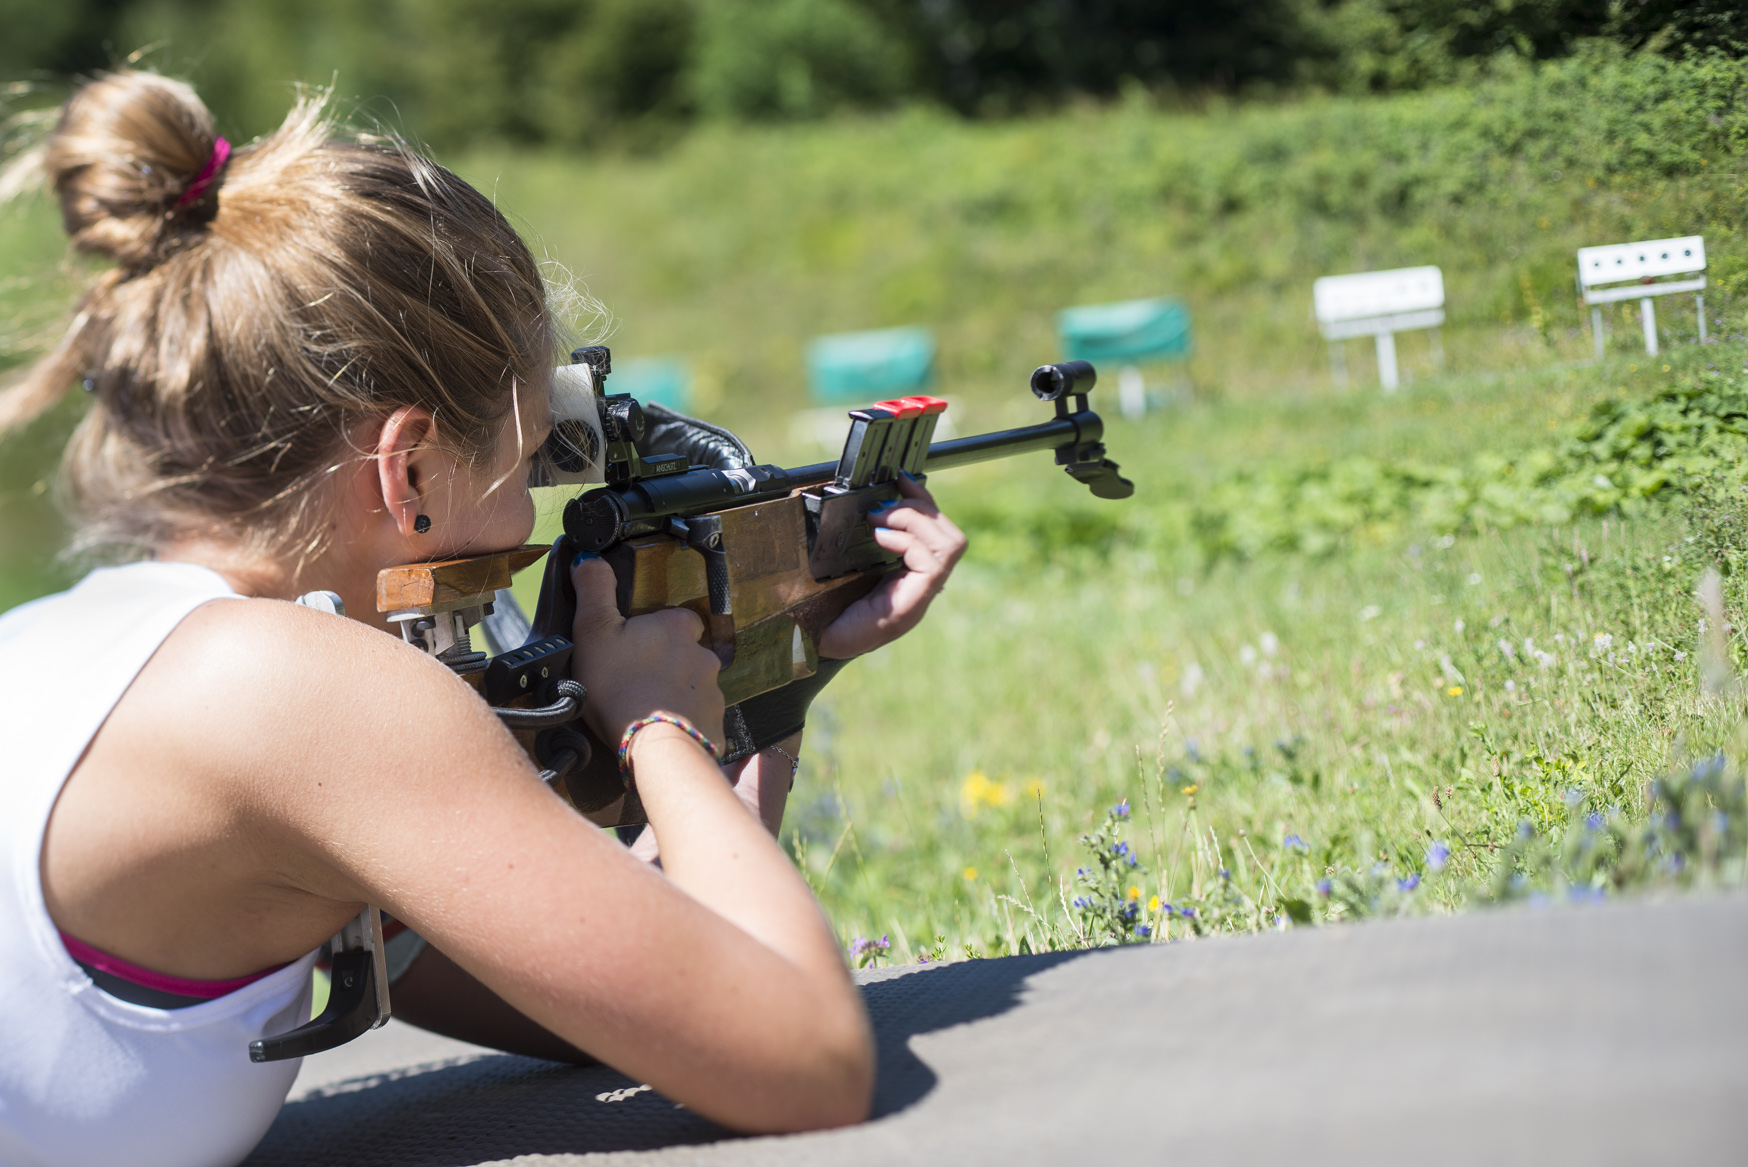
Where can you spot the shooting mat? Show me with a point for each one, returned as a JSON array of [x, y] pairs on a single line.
[[1608, 1034]]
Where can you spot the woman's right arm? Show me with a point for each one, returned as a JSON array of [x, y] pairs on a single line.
[[718, 982]]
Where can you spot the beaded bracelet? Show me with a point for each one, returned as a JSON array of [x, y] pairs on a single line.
[[673, 719]]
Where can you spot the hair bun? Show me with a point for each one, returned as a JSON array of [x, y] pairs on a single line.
[[127, 146]]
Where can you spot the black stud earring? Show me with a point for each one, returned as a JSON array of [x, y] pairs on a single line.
[[422, 524]]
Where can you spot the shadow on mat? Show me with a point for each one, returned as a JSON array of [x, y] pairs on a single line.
[[499, 1106]]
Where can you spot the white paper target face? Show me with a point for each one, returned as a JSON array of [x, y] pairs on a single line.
[[1641, 261], [1365, 295], [577, 445]]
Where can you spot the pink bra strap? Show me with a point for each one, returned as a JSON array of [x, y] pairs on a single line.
[[146, 978]]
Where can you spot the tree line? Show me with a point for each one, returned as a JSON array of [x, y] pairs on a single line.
[[582, 72]]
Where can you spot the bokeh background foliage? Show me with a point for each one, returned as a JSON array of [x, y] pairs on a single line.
[[1311, 648], [572, 71]]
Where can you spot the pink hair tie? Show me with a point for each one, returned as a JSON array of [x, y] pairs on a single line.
[[221, 153]]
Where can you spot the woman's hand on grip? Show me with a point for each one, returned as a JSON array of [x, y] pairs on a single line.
[[642, 665]]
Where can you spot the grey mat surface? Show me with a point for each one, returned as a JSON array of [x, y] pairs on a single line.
[[1610, 1034]]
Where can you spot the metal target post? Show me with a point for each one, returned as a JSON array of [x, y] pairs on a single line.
[[1636, 271]]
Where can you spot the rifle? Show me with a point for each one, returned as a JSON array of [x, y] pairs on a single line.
[[767, 557]]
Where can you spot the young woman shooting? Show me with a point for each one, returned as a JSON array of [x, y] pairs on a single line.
[[317, 356]]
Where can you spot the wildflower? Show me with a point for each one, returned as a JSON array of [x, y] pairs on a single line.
[[1247, 656], [1602, 642], [1269, 644], [1437, 856], [1153, 905], [1143, 931], [970, 874], [1371, 612], [1191, 788], [1409, 884], [863, 949], [1121, 850], [1081, 902], [1525, 830], [978, 792], [1225, 874], [1134, 892], [1293, 842], [1505, 648], [1323, 888], [1187, 913], [1511, 686], [1121, 810], [1458, 626], [1593, 821], [1454, 691]]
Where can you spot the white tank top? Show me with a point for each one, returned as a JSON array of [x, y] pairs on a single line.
[[87, 1079]]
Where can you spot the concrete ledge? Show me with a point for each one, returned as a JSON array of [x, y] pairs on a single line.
[[1613, 1034]]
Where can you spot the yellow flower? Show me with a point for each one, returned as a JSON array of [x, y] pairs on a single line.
[[977, 792], [1153, 904], [1454, 691], [1192, 788], [970, 874], [1134, 893]]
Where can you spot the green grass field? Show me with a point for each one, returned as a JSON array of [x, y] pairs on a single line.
[[1393, 630]]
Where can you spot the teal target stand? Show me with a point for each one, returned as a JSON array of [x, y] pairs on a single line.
[[1125, 334], [855, 368]]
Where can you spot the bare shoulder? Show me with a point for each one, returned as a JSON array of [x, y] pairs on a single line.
[[308, 721]]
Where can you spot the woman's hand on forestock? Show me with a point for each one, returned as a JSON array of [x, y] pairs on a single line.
[[647, 664], [929, 544]]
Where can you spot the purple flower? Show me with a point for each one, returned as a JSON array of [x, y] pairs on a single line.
[[1593, 821], [1120, 850], [1187, 913], [1121, 810], [1143, 931], [1225, 874], [1437, 856], [1409, 884], [1081, 902], [1323, 888], [1293, 841]]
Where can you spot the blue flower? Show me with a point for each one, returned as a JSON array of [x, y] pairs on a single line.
[[1437, 856], [1082, 902], [1323, 888], [1409, 884], [1293, 841], [1525, 830], [1143, 931], [1121, 849], [1225, 874], [1187, 913], [1121, 810], [1593, 821]]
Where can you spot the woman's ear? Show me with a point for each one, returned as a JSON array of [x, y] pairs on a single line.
[[405, 444]]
